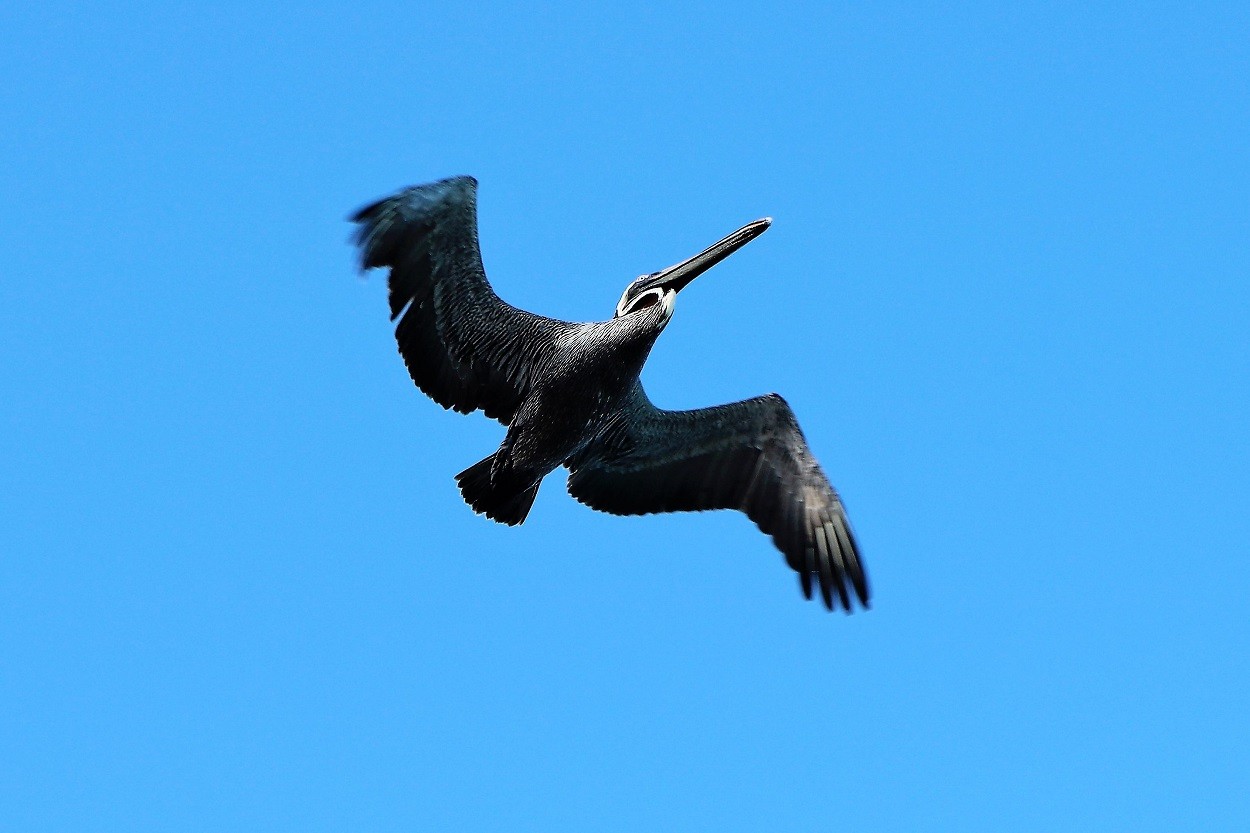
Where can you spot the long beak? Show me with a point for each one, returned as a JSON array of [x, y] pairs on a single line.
[[677, 276]]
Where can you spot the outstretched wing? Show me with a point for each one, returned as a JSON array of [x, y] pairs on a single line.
[[463, 346], [748, 455]]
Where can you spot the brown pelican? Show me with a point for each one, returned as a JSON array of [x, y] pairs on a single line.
[[570, 394]]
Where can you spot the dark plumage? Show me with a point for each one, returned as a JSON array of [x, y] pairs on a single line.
[[570, 395]]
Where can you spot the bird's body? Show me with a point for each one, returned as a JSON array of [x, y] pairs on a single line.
[[570, 394]]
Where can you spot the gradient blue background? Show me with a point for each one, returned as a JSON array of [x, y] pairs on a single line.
[[1006, 293]]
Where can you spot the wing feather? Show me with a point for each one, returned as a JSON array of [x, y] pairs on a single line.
[[749, 456], [462, 345]]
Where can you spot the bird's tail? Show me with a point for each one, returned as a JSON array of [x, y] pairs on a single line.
[[496, 501]]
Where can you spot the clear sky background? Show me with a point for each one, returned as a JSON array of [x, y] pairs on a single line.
[[1006, 293]]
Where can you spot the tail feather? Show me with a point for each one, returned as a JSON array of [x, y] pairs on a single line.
[[495, 501]]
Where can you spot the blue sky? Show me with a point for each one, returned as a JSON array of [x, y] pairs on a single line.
[[1005, 292]]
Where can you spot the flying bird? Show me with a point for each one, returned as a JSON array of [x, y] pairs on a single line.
[[570, 395]]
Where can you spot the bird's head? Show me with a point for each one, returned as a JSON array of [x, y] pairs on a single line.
[[661, 288]]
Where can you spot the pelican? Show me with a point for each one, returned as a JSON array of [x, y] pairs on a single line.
[[570, 394]]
